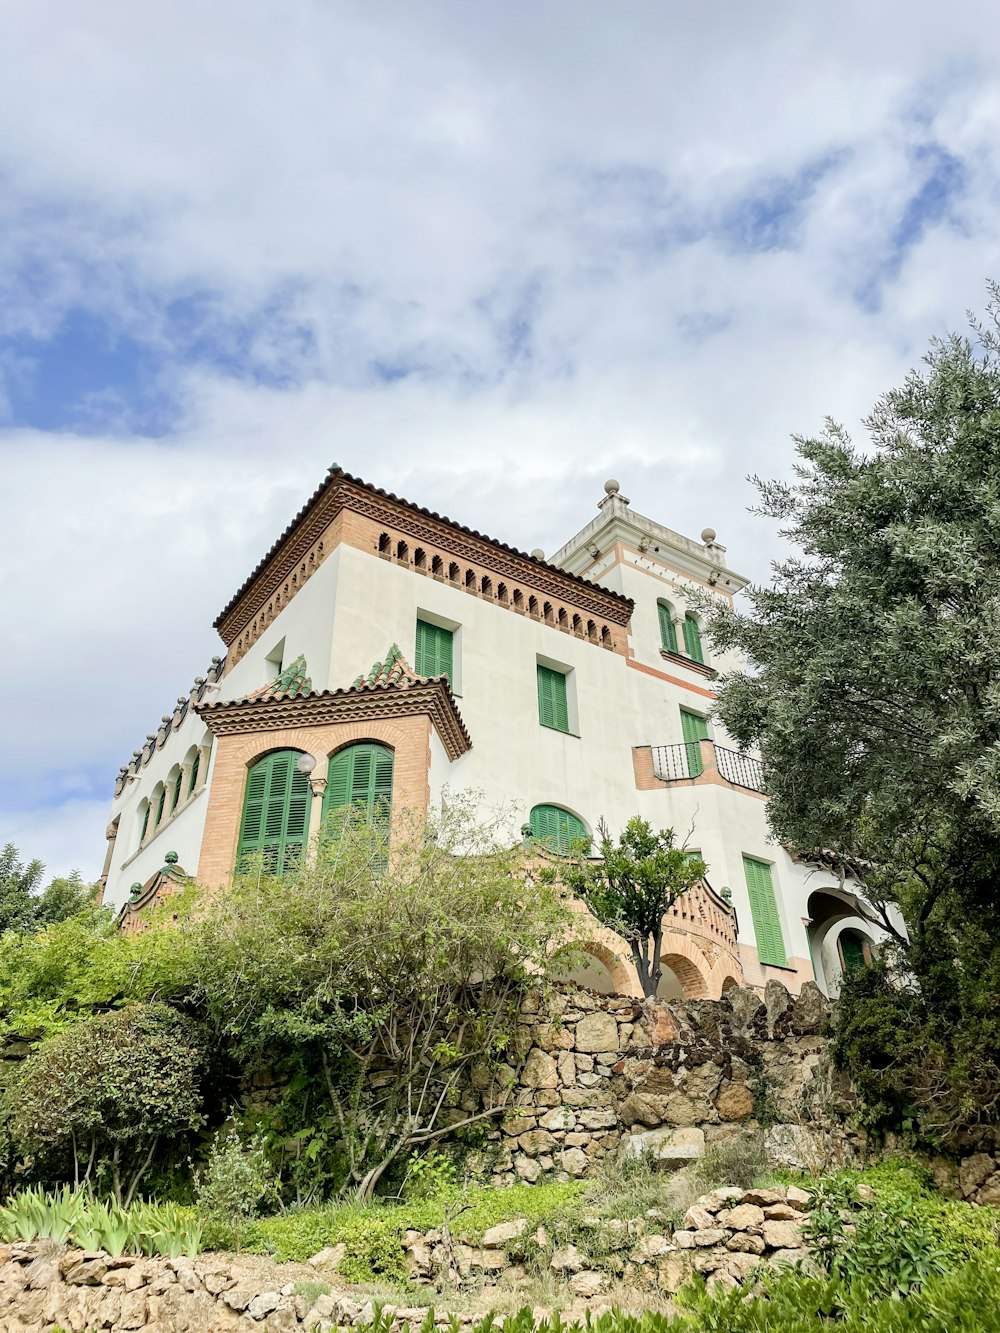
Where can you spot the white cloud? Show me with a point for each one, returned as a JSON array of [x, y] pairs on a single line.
[[544, 213]]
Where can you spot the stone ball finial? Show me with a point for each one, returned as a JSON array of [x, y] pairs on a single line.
[[611, 486], [708, 536], [538, 554], [171, 859]]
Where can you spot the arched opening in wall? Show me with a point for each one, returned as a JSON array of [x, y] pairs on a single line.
[[142, 817], [598, 970], [547, 614], [680, 979], [470, 580], [502, 596], [486, 586], [838, 941], [420, 558], [729, 984], [402, 551], [518, 600], [437, 565], [533, 606], [605, 636], [384, 546], [175, 791], [454, 573], [855, 950], [562, 618], [577, 624], [591, 631]]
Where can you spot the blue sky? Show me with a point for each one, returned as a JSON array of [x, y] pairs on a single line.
[[483, 256]]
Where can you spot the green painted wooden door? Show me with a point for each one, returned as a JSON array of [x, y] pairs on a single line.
[[694, 729], [852, 951], [360, 779], [764, 910], [275, 810]]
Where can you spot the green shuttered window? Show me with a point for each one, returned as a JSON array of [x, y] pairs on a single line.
[[852, 950], [553, 710], [694, 729], [692, 640], [360, 777], [176, 798], [557, 828], [194, 771], [275, 810], [764, 910], [145, 825], [435, 650], [668, 631], [159, 807]]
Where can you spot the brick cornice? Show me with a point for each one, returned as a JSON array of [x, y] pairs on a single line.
[[340, 491], [433, 698]]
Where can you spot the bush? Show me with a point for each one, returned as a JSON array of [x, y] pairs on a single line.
[[103, 1096], [235, 1181], [76, 1216]]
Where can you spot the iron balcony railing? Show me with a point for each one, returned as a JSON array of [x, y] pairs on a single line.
[[691, 759]]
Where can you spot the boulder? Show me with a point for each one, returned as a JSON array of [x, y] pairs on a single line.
[[587, 1284], [706, 1236], [496, 1237], [597, 1032], [670, 1148], [574, 1161], [777, 1002], [745, 1004], [540, 1070], [697, 1218], [742, 1217], [651, 1247], [263, 1304], [568, 1259], [974, 1171], [810, 1010], [734, 1102], [743, 1243], [330, 1256], [782, 1235]]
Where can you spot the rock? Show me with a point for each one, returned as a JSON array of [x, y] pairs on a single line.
[[746, 1004], [89, 1271], [777, 1002], [568, 1259], [763, 1198], [787, 1256], [539, 1070], [727, 1194], [496, 1237], [734, 1102], [974, 1171], [536, 1141], [238, 1298], [671, 1148], [330, 1256], [42, 1272], [587, 1284], [811, 1010], [706, 1236], [782, 1235], [596, 1032], [673, 1273], [662, 1026], [566, 1063], [640, 1108], [527, 1169], [685, 1239], [218, 1281], [697, 1218], [798, 1198], [559, 1118], [133, 1313], [745, 1244], [651, 1247], [743, 1217], [575, 1161], [796, 1146], [781, 1212], [598, 1119]]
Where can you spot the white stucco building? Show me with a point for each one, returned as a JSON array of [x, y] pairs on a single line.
[[565, 690]]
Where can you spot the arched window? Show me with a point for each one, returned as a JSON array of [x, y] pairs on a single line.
[[518, 600], [502, 595], [668, 630], [486, 586], [577, 624], [384, 546], [360, 777], [454, 573], [175, 792], [853, 952], [470, 579], [437, 565], [692, 639], [193, 778], [532, 606], [562, 618], [402, 551], [547, 613], [559, 830], [420, 558], [144, 823], [275, 810], [159, 801]]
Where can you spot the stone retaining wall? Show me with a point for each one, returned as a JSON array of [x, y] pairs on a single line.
[[607, 1073]]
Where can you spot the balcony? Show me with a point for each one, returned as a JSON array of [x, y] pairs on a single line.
[[704, 761]]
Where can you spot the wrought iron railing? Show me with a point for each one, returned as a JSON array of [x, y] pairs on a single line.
[[689, 760]]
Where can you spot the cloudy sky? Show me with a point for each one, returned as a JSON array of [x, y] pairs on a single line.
[[485, 255]]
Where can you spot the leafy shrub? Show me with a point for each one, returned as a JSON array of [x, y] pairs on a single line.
[[235, 1181], [93, 1224], [108, 1092]]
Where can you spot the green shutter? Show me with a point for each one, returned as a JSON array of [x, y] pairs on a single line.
[[360, 777], [159, 807], [145, 825], [275, 810], [692, 640], [668, 631], [194, 771], [176, 798], [553, 710], [764, 910], [852, 951], [557, 828], [435, 650], [694, 729]]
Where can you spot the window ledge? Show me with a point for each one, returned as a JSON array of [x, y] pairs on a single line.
[[559, 731], [161, 828], [689, 662]]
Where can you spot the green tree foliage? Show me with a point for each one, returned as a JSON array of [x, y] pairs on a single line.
[[63, 898], [392, 974], [875, 701], [109, 1092], [639, 879], [18, 885]]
